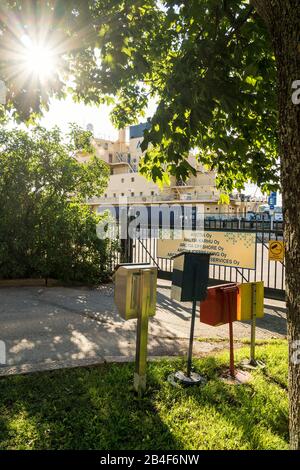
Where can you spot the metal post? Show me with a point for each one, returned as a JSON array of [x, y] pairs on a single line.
[[126, 243], [123, 255], [192, 330], [191, 378], [142, 334], [129, 253], [230, 323], [252, 363], [232, 371], [190, 353], [253, 326]]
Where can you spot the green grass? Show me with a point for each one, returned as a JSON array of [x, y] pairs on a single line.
[[94, 408]]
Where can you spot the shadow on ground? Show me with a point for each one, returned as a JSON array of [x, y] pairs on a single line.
[[93, 408]]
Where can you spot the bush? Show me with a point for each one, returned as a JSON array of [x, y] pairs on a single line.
[[46, 228]]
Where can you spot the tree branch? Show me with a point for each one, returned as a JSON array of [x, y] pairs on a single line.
[[240, 21]]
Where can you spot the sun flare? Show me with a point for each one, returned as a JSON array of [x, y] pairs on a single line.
[[38, 59]]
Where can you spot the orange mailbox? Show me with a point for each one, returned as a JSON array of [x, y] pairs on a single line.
[[220, 305]]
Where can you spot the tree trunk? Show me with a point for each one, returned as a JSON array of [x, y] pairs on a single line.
[[283, 20]]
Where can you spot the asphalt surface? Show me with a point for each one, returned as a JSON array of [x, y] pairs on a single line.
[[55, 327]]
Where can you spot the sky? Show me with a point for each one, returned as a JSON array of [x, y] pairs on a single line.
[[61, 113]]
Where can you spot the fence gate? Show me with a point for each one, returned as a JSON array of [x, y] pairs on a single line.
[[144, 250]]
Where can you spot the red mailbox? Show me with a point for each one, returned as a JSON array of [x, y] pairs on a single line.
[[220, 305]]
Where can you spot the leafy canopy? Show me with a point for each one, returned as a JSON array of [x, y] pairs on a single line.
[[208, 64]]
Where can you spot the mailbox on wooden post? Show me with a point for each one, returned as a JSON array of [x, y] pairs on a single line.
[[129, 281], [250, 306], [135, 297]]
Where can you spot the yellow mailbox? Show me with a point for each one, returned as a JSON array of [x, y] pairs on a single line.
[[250, 300], [135, 297], [128, 288]]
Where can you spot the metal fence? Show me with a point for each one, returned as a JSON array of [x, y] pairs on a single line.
[[144, 250]]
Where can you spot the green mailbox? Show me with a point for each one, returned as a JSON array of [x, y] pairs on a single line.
[[190, 276]]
